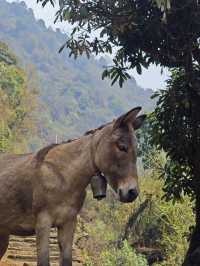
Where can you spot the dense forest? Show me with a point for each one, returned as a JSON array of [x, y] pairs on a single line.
[[73, 96]]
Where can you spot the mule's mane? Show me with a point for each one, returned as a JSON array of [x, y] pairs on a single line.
[[41, 154], [92, 131]]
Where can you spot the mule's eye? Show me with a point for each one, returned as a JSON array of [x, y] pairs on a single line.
[[122, 147]]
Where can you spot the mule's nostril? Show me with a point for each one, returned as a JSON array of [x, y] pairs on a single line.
[[133, 193], [128, 195]]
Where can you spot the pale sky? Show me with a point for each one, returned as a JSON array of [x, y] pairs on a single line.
[[151, 78]]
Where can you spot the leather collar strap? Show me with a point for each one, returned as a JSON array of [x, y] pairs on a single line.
[[92, 152]]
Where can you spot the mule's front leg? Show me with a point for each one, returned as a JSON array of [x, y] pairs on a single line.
[[43, 228], [65, 239]]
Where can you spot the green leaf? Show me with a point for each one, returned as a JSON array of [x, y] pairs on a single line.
[[139, 69], [105, 74]]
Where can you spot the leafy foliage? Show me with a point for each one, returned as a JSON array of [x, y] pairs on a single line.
[[125, 256], [174, 131], [144, 32], [16, 103], [6, 56], [161, 226]]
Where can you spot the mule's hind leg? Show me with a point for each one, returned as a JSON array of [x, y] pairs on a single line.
[[4, 241]]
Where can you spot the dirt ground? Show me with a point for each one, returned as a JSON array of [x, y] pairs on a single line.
[[22, 251], [7, 263]]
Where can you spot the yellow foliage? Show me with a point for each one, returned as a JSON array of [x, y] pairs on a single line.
[[163, 225], [17, 103]]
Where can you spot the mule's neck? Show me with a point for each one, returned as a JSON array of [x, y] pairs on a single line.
[[75, 160]]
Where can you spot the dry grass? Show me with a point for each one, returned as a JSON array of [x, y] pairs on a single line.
[[8, 263]]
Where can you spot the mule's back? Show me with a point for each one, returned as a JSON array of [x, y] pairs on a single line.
[[10, 160]]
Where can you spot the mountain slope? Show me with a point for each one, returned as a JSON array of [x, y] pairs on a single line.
[[72, 92]]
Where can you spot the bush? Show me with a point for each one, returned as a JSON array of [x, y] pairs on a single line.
[[114, 256]]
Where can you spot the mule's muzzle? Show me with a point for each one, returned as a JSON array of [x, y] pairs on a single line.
[[99, 186], [128, 195]]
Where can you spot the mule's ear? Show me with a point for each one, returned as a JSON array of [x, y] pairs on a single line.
[[129, 117], [137, 123]]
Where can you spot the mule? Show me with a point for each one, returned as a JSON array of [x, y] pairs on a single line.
[[47, 189]]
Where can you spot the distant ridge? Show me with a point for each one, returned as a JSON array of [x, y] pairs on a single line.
[[74, 97]]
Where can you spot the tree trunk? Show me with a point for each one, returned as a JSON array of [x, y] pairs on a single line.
[[193, 255]]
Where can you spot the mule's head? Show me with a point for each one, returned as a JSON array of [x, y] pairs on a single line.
[[116, 154]]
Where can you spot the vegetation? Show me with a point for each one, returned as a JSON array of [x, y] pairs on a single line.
[[177, 114], [157, 233], [173, 118], [142, 31], [16, 104]]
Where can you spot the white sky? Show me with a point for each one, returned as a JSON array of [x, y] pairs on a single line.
[[151, 78]]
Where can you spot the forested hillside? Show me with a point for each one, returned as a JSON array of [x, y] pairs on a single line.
[[73, 95]]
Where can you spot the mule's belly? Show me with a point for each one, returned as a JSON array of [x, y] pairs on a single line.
[[18, 223], [25, 227], [23, 232]]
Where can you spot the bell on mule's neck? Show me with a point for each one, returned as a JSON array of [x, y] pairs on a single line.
[[98, 186]]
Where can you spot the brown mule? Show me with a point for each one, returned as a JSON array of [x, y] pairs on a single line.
[[47, 189]]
